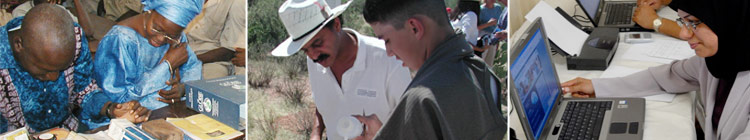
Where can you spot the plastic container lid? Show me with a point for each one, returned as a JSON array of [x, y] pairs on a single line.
[[349, 127]]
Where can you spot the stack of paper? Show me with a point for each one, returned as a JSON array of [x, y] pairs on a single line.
[[202, 127], [563, 33], [18, 134]]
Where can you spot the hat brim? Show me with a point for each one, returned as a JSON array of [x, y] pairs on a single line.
[[289, 46]]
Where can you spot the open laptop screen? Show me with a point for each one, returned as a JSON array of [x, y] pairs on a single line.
[[591, 7], [535, 81]]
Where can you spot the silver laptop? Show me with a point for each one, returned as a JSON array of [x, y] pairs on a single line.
[[545, 115], [610, 13]]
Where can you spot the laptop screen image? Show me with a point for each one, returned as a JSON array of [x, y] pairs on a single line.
[[591, 7], [535, 81]]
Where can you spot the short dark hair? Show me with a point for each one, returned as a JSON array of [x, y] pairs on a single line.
[[329, 25], [395, 12], [37, 2], [464, 6]]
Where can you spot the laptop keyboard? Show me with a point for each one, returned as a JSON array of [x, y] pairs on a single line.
[[619, 13], [583, 120]]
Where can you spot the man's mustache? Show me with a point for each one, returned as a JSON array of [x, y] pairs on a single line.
[[321, 58]]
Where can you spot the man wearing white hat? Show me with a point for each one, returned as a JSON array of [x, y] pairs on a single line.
[[350, 73]]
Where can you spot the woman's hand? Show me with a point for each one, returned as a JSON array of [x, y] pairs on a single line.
[[132, 111], [579, 88], [175, 94], [176, 55]]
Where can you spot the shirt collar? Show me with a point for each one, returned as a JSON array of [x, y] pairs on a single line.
[[454, 47], [7, 60], [359, 61]]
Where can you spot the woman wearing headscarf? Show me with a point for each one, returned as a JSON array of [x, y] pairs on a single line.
[[146, 57], [722, 75]]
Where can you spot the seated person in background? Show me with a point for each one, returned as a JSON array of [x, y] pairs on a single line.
[[82, 18], [645, 16], [45, 72], [453, 95], [118, 10], [214, 38], [6, 7], [720, 74], [146, 58]]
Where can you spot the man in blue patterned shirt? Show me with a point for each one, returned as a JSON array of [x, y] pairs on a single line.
[[45, 76]]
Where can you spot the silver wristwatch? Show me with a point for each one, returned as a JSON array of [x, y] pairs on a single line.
[[657, 24]]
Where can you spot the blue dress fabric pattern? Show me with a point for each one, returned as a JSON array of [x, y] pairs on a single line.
[[128, 68], [71, 99]]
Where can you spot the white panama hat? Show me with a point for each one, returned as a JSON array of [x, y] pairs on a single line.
[[303, 19]]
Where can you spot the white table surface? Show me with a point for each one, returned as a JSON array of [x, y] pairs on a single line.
[[664, 120]]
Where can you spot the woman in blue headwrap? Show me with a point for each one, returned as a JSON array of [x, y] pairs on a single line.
[[146, 57]]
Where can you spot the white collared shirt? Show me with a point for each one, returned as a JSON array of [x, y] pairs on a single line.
[[373, 85]]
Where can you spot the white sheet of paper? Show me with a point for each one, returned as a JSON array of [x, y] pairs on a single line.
[[641, 54], [674, 50], [566, 36], [660, 51], [620, 71]]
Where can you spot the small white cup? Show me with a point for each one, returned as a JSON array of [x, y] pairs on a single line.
[[349, 127]]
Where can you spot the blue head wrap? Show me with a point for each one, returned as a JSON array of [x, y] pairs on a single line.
[[181, 12]]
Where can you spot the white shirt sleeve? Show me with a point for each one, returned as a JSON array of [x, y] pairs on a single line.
[[398, 79], [469, 27]]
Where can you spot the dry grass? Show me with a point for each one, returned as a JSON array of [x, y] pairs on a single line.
[[305, 123], [293, 91], [279, 109], [261, 75]]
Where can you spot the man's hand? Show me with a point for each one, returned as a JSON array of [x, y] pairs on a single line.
[[502, 35], [644, 15], [175, 94], [318, 127], [372, 125], [492, 21], [132, 111], [579, 88], [239, 57], [54, 1], [176, 55], [655, 4]]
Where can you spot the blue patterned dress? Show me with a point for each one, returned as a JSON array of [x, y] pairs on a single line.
[[40, 105], [127, 67]]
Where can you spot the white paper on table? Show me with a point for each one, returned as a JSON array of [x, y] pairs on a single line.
[[674, 50], [620, 71], [566, 36], [660, 51]]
